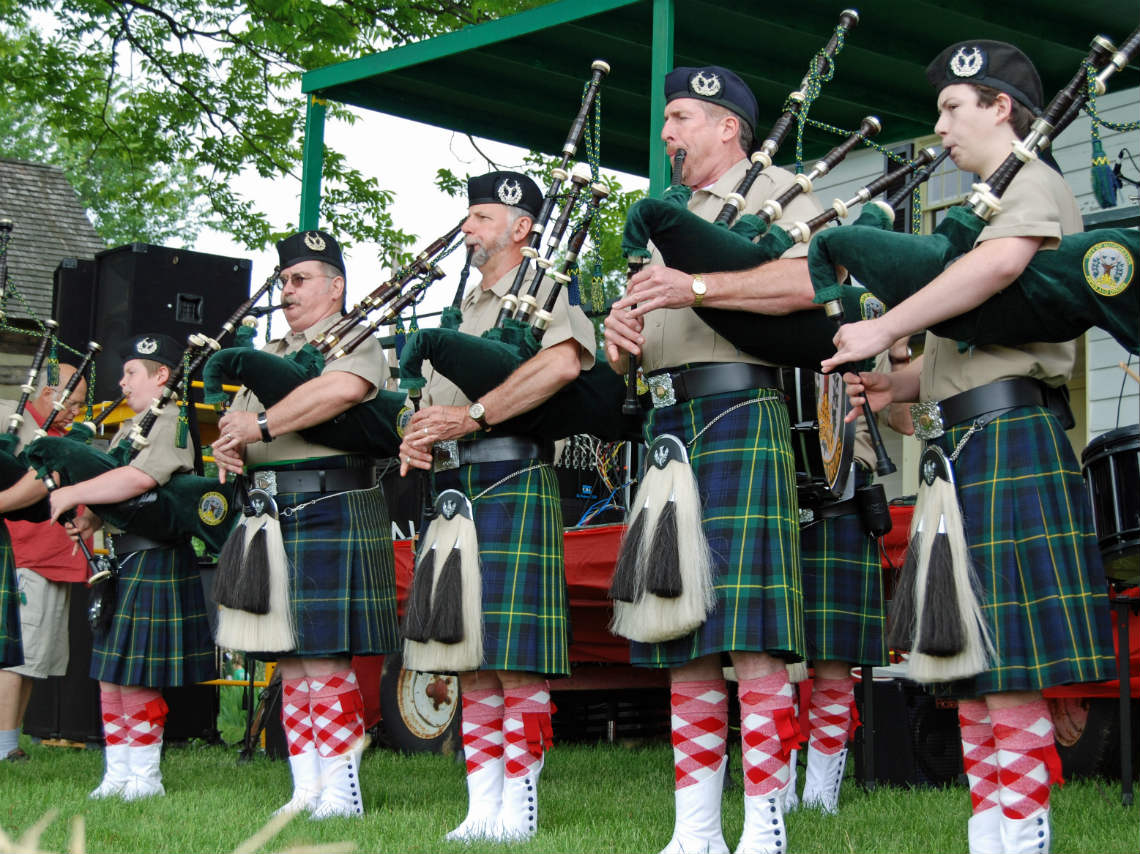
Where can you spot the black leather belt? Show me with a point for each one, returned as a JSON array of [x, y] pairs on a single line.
[[453, 453], [992, 397], [667, 388], [323, 480], [126, 543]]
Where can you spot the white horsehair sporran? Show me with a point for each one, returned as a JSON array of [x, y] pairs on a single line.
[[663, 586]]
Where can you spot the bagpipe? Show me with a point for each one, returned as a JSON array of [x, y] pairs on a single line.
[[368, 427], [187, 504], [13, 460], [478, 363], [1082, 283]]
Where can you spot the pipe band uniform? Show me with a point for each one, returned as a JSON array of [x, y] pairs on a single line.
[[489, 594], [309, 572]]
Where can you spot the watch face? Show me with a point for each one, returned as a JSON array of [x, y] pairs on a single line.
[[699, 286], [476, 411]]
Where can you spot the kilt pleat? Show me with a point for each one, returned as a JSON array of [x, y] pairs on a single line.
[[11, 649], [526, 625], [342, 573], [745, 471], [843, 591], [159, 635], [1030, 531]]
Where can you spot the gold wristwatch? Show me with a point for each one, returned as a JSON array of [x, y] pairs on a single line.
[[699, 290]]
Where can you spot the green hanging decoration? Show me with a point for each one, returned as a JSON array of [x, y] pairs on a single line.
[[53, 363], [183, 434]]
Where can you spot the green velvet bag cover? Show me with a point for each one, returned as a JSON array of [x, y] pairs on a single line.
[[475, 363], [12, 468]]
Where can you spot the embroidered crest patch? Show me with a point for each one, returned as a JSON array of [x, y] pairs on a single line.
[[1108, 268]]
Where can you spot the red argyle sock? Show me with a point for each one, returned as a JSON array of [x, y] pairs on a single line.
[[482, 727], [295, 717], [526, 727], [769, 731], [830, 714], [145, 714], [1027, 757], [337, 712], [114, 724], [979, 754], [700, 726]]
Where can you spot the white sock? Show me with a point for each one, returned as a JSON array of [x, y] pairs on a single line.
[[9, 741]]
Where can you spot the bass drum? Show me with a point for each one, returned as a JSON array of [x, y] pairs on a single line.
[[822, 441], [1111, 468]]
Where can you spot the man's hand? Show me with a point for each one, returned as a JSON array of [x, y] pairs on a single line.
[[869, 386], [236, 429], [430, 425], [62, 499], [863, 339], [655, 287], [83, 526], [622, 336]]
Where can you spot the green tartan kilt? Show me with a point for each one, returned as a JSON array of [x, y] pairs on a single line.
[[342, 579], [526, 621], [11, 650], [1030, 530], [159, 635], [746, 476], [843, 590]]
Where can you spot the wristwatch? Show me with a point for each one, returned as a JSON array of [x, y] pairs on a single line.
[[699, 290], [479, 415], [263, 425]]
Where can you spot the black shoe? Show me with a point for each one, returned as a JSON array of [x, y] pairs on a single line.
[[16, 755]]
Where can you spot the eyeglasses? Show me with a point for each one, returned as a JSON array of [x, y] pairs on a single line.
[[298, 279]]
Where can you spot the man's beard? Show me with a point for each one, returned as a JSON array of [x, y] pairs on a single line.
[[482, 254]]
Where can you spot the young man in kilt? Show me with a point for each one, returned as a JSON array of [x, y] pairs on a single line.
[[335, 529], [1027, 517], [46, 565], [159, 635], [517, 516], [737, 436]]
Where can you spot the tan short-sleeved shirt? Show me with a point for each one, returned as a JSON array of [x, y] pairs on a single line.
[[1038, 203], [481, 310], [366, 361], [27, 430], [161, 458], [678, 336]]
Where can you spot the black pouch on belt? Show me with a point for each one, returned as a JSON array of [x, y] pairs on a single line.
[[874, 512]]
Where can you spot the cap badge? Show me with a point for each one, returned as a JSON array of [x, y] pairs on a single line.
[[706, 84], [509, 191], [314, 241], [146, 346], [967, 62]]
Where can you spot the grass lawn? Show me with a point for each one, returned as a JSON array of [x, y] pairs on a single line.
[[593, 798]]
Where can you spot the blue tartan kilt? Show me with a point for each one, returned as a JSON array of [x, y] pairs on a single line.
[[342, 576], [159, 635], [526, 622], [745, 471], [843, 590], [11, 649], [1030, 530]]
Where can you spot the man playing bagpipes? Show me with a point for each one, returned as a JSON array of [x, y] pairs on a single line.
[[515, 632], [46, 563], [316, 521], [719, 412], [994, 420], [158, 635]]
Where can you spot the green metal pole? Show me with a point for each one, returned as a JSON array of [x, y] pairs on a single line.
[[311, 165], [660, 64]]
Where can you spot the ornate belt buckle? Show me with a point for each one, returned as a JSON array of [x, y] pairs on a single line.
[[927, 418], [661, 391], [266, 481], [445, 455]]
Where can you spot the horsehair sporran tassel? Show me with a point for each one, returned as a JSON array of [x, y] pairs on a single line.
[[272, 631], [668, 491], [952, 640], [418, 611], [451, 638]]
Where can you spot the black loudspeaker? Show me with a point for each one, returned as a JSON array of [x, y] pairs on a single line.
[[176, 292], [916, 737], [73, 303], [68, 706]]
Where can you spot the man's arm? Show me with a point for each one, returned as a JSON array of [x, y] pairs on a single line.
[[23, 493], [778, 287], [110, 487], [532, 383], [985, 270]]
